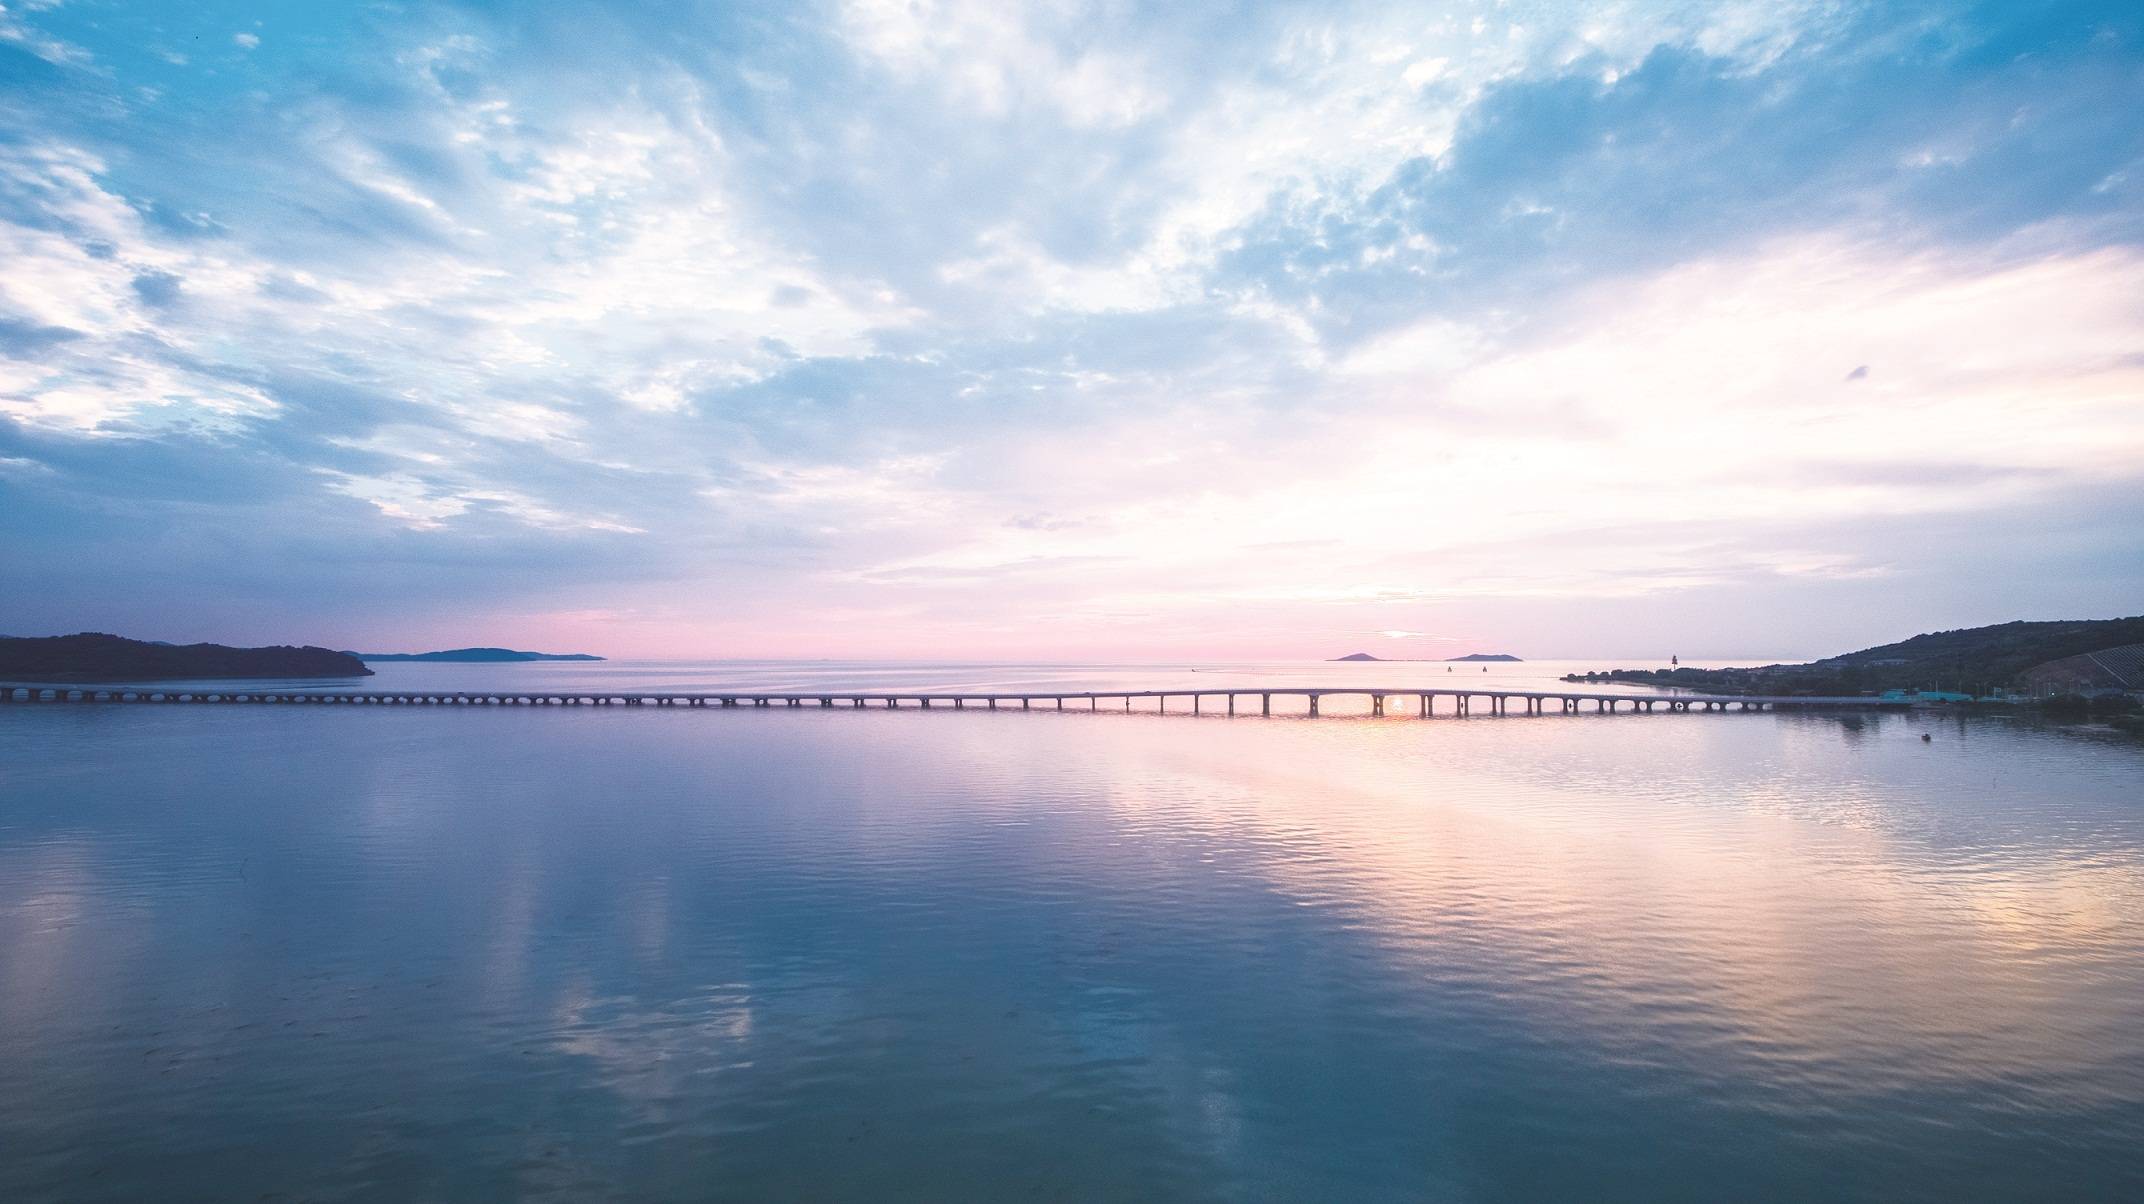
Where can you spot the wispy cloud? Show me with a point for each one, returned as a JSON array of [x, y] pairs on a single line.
[[864, 328]]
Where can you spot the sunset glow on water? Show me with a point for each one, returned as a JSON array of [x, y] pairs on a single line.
[[922, 955], [1467, 601]]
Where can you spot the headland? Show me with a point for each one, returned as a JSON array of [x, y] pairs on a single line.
[[96, 656]]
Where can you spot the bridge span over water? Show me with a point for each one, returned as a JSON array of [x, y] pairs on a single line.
[[1296, 700]]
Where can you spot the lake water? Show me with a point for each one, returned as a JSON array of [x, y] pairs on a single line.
[[401, 954], [976, 678]]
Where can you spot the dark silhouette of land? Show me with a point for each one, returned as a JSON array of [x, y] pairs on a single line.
[[1970, 660], [488, 656], [1416, 660], [95, 656]]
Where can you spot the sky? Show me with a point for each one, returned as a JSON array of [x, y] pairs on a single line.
[[1070, 331]]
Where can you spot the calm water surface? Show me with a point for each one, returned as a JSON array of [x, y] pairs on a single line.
[[390, 954], [979, 677]]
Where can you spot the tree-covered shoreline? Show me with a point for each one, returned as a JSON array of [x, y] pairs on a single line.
[[1977, 661]]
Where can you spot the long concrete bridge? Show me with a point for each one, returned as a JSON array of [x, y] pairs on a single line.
[[1306, 700]]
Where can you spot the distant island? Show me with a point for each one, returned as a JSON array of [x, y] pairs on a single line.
[[1404, 660], [2065, 657], [475, 656], [96, 656]]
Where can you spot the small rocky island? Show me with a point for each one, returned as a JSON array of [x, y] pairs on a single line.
[[95, 656], [475, 656]]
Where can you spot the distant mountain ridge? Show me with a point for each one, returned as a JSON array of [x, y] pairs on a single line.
[[97, 656], [476, 656]]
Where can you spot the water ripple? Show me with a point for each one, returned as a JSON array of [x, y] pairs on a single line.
[[388, 954]]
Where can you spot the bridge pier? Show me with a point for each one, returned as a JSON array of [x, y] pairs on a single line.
[[1265, 704], [1313, 706], [1377, 706]]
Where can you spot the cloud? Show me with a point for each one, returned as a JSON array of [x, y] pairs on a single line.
[[1626, 161], [19, 34], [1371, 320]]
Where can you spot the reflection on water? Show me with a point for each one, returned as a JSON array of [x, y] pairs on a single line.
[[562, 954]]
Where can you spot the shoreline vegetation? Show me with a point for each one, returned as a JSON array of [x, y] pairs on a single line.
[[2001, 666], [95, 656]]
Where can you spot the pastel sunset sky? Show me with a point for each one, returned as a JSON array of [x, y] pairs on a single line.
[[1070, 330]]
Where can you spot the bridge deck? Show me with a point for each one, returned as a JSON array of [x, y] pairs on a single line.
[[1462, 700]]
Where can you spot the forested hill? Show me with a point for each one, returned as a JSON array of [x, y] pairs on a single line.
[[94, 656], [2000, 652], [1970, 660]]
